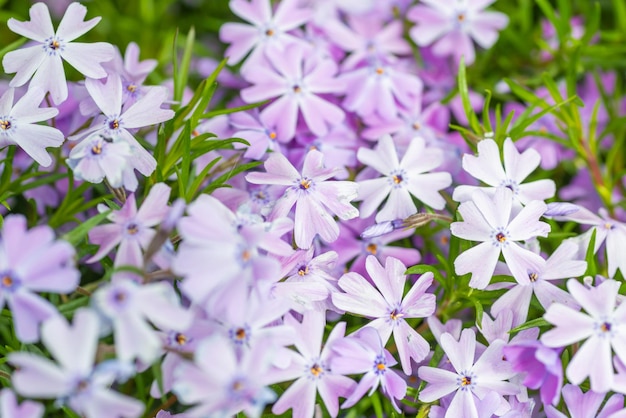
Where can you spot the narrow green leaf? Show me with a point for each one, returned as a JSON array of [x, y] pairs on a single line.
[[592, 269], [534, 323], [230, 110], [76, 235]]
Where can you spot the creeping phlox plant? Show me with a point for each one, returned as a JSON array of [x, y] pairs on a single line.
[[218, 208]]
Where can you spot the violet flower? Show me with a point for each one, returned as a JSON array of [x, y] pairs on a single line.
[[312, 368], [33, 261], [43, 62], [312, 194], [365, 353], [541, 365], [387, 305], [471, 380], [450, 26], [602, 328], [73, 379], [401, 179], [490, 221], [18, 125], [583, 405]]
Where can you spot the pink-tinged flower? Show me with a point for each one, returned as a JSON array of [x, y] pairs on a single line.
[[450, 26], [241, 250], [606, 229], [312, 194], [402, 179], [43, 62], [380, 90], [267, 29], [388, 306], [18, 125], [98, 157], [487, 168], [296, 81], [365, 353], [10, 409], [261, 135], [562, 264], [73, 380], [116, 123], [132, 229], [312, 368], [541, 366], [32, 261], [133, 73], [489, 221], [220, 384], [368, 37], [471, 380], [603, 327], [579, 404], [128, 307]]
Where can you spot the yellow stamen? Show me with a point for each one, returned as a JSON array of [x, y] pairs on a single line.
[[372, 248], [316, 370], [7, 281], [5, 125]]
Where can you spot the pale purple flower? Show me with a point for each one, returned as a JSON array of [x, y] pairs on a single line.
[[296, 81], [587, 405], [43, 62], [380, 90], [541, 366], [603, 327], [18, 125], [73, 379], [238, 249], [220, 384], [562, 264], [606, 229], [132, 229], [253, 127], [365, 353], [133, 73], [116, 122], [450, 26], [487, 168], [267, 28], [98, 157], [33, 261], [128, 306], [471, 380], [312, 368], [9, 407], [402, 179], [388, 305], [489, 221], [314, 196]]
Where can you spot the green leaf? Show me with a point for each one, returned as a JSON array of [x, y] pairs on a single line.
[[219, 182], [424, 268], [464, 91], [592, 269], [228, 111], [534, 323], [181, 73], [76, 235]]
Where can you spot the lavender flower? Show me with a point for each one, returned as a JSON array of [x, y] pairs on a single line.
[[587, 404], [74, 380], [312, 367], [43, 62], [471, 379], [365, 353], [32, 261], [388, 306], [18, 125], [490, 221], [402, 179], [602, 328], [312, 194], [451, 25], [10, 409], [487, 167]]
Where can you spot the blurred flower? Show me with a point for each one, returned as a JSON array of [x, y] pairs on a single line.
[[10, 409]]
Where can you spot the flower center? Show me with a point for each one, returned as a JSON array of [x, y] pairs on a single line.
[[5, 124], [132, 228], [269, 32], [114, 124], [395, 314], [397, 178], [54, 44], [7, 281], [305, 184], [303, 270], [380, 366], [605, 327], [609, 226], [316, 370], [131, 88], [372, 248], [533, 277], [460, 17], [416, 126], [272, 135], [297, 89], [240, 333], [180, 338], [380, 71], [466, 381], [500, 237], [97, 149]]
